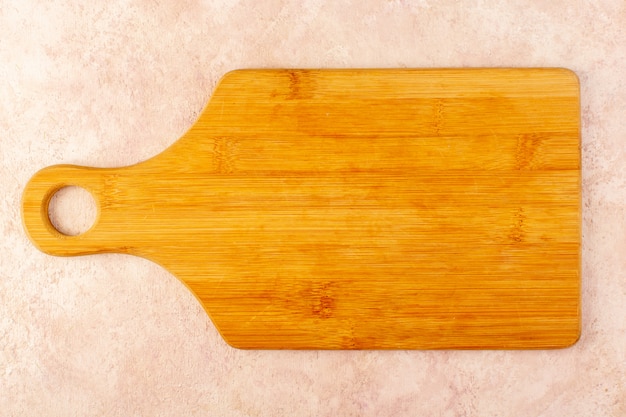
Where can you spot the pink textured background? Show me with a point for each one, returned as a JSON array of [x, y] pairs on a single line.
[[112, 83]]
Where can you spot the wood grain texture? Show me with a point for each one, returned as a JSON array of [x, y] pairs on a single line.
[[359, 209]]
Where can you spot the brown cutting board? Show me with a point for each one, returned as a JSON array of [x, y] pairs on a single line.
[[359, 209]]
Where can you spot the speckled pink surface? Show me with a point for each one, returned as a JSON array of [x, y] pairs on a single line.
[[113, 83]]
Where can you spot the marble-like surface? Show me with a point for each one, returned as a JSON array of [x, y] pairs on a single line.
[[112, 83]]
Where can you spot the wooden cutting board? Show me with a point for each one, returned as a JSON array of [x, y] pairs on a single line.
[[358, 209]]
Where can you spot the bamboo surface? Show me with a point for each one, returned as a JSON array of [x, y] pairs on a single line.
[[358, 209]]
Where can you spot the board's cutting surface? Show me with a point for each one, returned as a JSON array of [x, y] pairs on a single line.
[[359, 209]]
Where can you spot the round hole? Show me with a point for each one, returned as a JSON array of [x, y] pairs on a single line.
[[72, 210]]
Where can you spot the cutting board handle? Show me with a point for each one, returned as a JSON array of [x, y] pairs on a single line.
[[36, 199]]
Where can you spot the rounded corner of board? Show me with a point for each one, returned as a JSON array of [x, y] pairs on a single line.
[[234, 344], [570, 342], [571, 75], [229, 75]]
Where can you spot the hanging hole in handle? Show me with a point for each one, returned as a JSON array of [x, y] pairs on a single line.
[[72, 210]]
